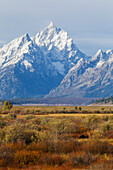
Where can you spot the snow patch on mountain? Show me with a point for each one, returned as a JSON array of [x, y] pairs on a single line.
[[59, 66]]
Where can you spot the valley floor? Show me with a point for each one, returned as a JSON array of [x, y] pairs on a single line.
[[56, 138]]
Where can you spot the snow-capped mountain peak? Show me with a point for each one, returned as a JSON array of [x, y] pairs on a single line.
[[100, 58], [52, 35], [16, 51], [59, 47], [99, 54], [33, 66], [51, 24], [109, 51], [26, 37]]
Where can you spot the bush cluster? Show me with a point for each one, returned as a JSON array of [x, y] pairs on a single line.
[[30, 140]]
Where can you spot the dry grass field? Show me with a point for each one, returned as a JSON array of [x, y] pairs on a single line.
[[56, 138]]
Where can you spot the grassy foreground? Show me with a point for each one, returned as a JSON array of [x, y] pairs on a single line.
[[56, 137]]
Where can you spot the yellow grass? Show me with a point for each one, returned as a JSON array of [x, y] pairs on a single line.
[[65, 115], [56, 111], [66, 108]]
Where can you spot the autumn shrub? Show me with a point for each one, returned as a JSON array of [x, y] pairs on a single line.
[[36, 121], [92, 122], [8, 105], [81, 158], [84, 111], [102, 164], [76, 108], [105, 118], [51, 146], [80, 108], [108, 134], [18, 132], [37, 110], [68, 146], [30, 117], [31, 125], [62, 111], [2, 135], [16, 111], [0, 111], [13, 146], [32, 111], [96, 134], [38, 146], [62, 146], [5, 112], [97, 111], [102, 108], [111, 117], [10, 116], [81, 129], [108, 112], [27, 111], [2, 162], [25, 157], [99, 147], [74, 127], [107, 126], [53, 159], [70, 128], [46, 120], [2, 123], [6, 154], [72, 111]]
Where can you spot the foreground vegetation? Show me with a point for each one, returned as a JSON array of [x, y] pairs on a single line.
[[46, 138]]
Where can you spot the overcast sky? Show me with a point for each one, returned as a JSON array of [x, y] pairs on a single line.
[[88, 22]]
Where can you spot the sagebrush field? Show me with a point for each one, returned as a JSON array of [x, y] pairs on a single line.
[[56, 137]]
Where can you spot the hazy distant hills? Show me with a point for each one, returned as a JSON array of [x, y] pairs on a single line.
[[50, 64]]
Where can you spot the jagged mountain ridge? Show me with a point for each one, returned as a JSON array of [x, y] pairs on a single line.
[[93, 78], [59, 48], [32, 66]]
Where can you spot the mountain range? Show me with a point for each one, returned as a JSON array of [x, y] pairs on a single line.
[[93, 78], [51, 65]]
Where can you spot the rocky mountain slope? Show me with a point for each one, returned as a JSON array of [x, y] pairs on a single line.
[[32, 66], [93, 78]]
